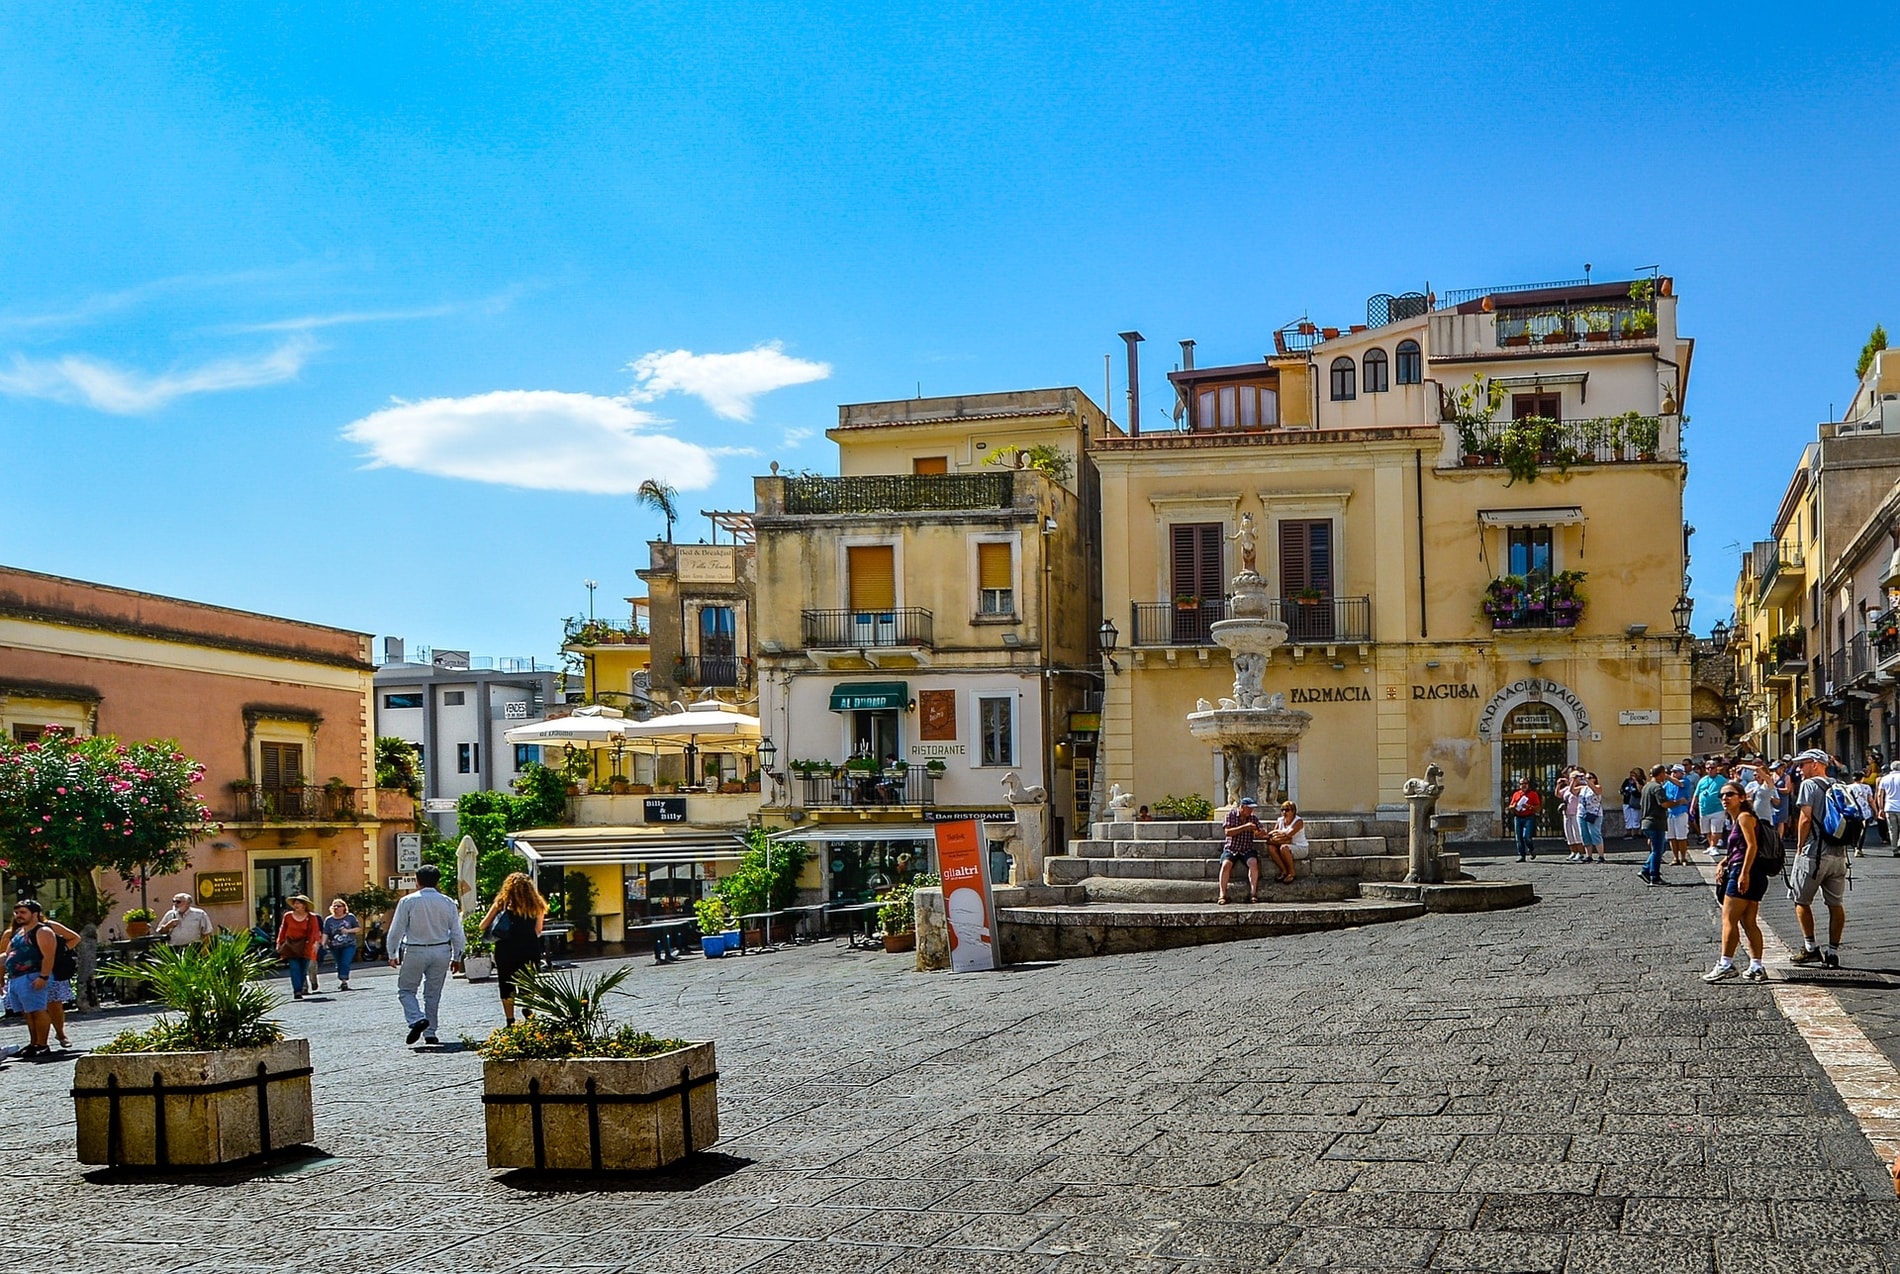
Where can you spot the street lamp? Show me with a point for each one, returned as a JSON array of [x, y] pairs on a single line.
[[1684, 607], [1108, 636], [1719, 634], [768, 754], [591, 586]]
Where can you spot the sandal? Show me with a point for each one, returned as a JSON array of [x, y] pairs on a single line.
[[1222, 900]]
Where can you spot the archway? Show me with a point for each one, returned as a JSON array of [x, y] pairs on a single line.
[[1534, 743]]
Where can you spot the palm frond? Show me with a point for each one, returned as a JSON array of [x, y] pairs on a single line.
[[567, 1000]]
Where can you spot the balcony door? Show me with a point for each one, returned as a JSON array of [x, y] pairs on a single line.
[[872, 590], [1306, 578], [718, 648], [280, 777], [1196, 584]]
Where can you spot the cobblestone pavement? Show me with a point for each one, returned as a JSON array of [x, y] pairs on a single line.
[[1545, 1089]]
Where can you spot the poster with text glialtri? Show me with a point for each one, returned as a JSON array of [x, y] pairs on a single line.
[[966, 896]]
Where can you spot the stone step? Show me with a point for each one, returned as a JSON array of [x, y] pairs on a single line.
[[1071, 869], [1133, 890], [1317, 847], [1456, 895], [1061, 933]]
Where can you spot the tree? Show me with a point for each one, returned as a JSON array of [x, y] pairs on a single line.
[[1876, 341], [398, 769], [539, 800], [663, 499], [72, 806]]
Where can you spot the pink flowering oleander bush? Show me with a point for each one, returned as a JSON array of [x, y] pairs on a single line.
[[71, 805]]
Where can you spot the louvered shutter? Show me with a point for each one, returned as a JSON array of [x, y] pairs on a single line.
[[281, 763], [1306, 556], [993, 566], [873, 578], [1195, 560]]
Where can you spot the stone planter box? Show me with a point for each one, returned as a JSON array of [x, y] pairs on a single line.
[[190, 1110], [478, 968], [601, 1114]]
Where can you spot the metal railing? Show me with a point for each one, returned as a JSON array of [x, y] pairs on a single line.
[[712, 670], [855, 789], [604, 632], [1885, 628], [303, 803], [1851, 663], [1779, 556], [1533, 606], [1459, 296], [1626, 439], [1319, 621], [898, 493], [867, 629], [1599, 323]]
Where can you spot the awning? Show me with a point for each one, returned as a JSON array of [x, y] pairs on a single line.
[[859, 832], [614, 846], [860, 696], [1550, 515]]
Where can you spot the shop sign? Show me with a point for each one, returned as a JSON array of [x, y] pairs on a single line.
[[1639, 716], [408, 851], [1329, 694], [218, 887], [664, 809], [704, 563], [937, 714], [439, 805], [1002, 814], [966, 896], [869, 696], [515, 710], [937, 749], [1532, 690], [1446, 690]]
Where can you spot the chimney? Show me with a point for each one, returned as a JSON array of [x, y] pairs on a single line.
[[1134, 382], [1187, 356]]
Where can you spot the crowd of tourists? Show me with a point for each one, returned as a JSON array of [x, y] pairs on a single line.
[[1800, 820]]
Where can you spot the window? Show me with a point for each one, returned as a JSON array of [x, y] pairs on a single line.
[[280, 765], [454, 698], [526, 754], [1411, 368], [1529, 551], [923, 465], [1374, 371], [28, 733], [1546, 406], [716, 631], [1195, 560], [1306, 557], [873, 582], [468, 758], [1343, 376], [994, 721], [407, 699], [1237, 407], [995, 580]]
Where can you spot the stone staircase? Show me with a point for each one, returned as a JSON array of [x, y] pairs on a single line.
[[1148, 886]]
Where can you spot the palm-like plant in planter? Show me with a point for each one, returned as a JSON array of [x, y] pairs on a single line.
[[567, 1088], [214, 1084]]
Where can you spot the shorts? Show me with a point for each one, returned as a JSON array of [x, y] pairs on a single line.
[[510, 962], [1757, 885], [1679, 826], [1715, 824], [60, 991], [1826, 875], [1592, 829], [24, 997], [1249, 854]]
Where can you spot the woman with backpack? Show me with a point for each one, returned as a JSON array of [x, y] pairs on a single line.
[[513, 924], [1753, 858]]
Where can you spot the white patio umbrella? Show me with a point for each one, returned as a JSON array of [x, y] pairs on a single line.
[[594, 726], [711, 722], [467, 864]]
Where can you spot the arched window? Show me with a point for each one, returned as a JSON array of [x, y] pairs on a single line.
[[1373, 373], [1343, 379], [1411, 365]]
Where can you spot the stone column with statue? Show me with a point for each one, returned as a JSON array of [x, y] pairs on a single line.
[[1421, 799]]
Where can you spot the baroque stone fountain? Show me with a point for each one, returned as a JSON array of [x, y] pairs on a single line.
[[1252, 729]]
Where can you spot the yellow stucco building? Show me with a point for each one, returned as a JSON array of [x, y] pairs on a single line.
[[1469, 514]]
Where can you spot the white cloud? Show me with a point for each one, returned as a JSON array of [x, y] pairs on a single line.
[[308, 322], [538, 438], [796, 435], [77, 378], [727, 383]]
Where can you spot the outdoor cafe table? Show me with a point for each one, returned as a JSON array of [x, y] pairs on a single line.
[[804, 918], [554, 946], [767, 917], [865, 911], [668, 936]]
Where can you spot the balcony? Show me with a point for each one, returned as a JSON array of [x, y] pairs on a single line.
[[1513, 604], [1778, 565], [302, 803], [1320, 621], [712, 670], [1535, 443], [858, 789], [1845, 667], [899, 493], [587, 634], [907, 627], [1787, 655], [1884, 629], [1606, 325]]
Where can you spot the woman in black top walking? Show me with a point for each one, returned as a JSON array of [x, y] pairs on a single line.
[[513, 924]]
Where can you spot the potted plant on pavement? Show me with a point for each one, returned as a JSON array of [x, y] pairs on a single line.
[[578, 889], [478, 957], [214, 1084], [898, 916], [138, 922], [568, 1089], [718, 933]]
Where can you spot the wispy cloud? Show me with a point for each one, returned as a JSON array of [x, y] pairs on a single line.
[[311, 322], [727, 383], [542, 439], [796, 436], [102, 304], [91, 382]]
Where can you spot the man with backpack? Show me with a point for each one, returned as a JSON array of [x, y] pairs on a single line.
[[1827, 825]]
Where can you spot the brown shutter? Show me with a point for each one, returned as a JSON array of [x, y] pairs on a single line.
[[873, 584], [1194, 567], [993, 566], [930, 465], [1306, 556], [281, 764]]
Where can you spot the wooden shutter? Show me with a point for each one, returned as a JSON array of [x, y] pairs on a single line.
[[1545, 405], [873, 577], [282, 764], [1195, 560], [1306, 556], [993, 566], [930, 465]]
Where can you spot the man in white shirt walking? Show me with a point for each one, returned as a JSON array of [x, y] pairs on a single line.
[[1889, 798], [425, 945], [186, 924]]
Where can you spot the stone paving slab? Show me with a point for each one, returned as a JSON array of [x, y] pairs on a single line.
[[1544, 1089]]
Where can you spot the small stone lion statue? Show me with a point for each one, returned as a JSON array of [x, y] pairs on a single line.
[[1118, 799], [1017, 794]]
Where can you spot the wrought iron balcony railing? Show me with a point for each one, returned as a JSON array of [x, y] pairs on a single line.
[[858, 789], [1533, 606], [1318, 621], [712, 670], [301, 803], [867, 629]]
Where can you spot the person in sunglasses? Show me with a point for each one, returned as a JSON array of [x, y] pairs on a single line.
[[1742, 882]]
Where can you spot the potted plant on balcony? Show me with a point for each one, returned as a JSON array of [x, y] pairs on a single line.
[[618, 784], [936, 766], [1187, 602], [1503, 599], [138, 922], [1308, 596], [214, 1084], [567, 1089], [1566, 598]]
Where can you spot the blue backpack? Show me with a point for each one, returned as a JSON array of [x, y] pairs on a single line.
[[1841, 821]]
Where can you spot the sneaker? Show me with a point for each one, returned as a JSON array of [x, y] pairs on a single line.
[[1755, 974], [416, 1030], [1809, 956], [342, 986], [1715, 855], [430, 1039], [1722, 973], [1831, 959]]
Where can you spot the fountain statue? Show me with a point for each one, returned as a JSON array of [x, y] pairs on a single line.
[[1252, 729]]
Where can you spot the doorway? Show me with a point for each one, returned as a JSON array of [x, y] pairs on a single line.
[[875, 734], [1535, 743], [273, 881]]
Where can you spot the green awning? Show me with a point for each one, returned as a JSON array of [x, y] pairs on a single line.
[[860, 696]]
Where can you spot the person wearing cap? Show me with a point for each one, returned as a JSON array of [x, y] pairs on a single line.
[[186, 924], [1676, 794], [1243, 824], [1887, 795], [299, 935], [1655, 815], [1817, 866], [1708, 806]]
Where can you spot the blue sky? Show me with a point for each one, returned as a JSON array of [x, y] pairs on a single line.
[[295, 302]]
